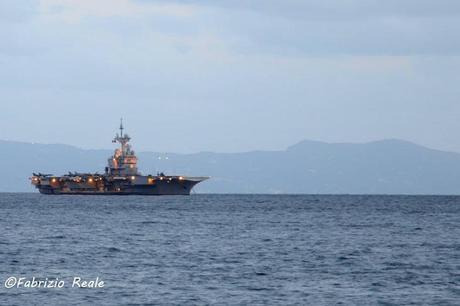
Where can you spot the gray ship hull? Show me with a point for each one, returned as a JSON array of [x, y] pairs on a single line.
[[162, 186]]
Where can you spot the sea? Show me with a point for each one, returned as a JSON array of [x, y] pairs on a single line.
[[229, 250]]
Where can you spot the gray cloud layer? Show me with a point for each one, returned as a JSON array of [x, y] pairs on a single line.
[[344, 27], [230, 75], [335, 9]]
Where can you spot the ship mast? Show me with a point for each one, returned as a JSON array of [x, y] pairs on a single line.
[[123, 139]]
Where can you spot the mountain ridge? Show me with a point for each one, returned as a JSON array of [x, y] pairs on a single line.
[[389, 166]]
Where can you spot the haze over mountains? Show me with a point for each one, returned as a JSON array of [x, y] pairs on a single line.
[[381, 167]]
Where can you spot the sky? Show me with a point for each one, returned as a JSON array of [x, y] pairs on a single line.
[[230, 76]]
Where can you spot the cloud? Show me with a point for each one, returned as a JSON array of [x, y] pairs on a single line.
[[331, 9], [264, 74], [74, 10], [303, 27], [18, 11], [290, 28]]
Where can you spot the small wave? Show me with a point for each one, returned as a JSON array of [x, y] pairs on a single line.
[[258, 289], [114, 250], [55, 237], [148, 222]]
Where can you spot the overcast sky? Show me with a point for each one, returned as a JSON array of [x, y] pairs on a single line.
[[229, 76]]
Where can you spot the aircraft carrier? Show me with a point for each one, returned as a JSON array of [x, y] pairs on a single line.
[[121, 177]]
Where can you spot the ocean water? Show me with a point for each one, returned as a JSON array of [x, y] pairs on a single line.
[[232, 249]]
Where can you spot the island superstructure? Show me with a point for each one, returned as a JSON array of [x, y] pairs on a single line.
[[121, 177]]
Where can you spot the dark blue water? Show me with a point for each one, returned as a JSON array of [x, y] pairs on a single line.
[[233, 249]]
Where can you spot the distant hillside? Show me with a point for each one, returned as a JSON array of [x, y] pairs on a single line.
[[383, 167]]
